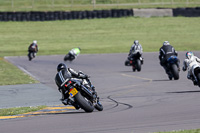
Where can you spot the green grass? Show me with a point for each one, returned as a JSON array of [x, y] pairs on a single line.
[[111, 35], [8, 72], [69, 5], [19, 110], [183, 131]]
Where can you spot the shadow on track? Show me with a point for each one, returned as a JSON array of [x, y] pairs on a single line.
[[184, 91]]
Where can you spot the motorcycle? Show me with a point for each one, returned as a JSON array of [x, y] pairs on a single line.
[[135, 61], [80, 96], [69, 57], [31, 55], [173, 71], [196, 75]]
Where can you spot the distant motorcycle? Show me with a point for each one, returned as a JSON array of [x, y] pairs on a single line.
[[173, 67], [73, 53], [135, 61], [80, 96], [31, 55], [69, 57], [196, 75]]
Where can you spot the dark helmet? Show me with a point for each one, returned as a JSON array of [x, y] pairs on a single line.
[[136, 42], [61, 66], [79, 48]]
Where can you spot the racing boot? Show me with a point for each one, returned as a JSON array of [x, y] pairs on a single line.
[[64, 101]]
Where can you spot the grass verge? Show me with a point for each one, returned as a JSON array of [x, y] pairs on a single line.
[[183, 131], [19, 110], [71, 5], [11, 75], [111, 35]]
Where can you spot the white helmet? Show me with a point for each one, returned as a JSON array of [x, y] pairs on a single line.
[[165, 43], [35, 41]]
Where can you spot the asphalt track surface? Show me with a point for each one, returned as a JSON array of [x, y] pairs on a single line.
[[134, 102]]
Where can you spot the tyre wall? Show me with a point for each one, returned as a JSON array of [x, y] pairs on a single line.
[[61, 15]]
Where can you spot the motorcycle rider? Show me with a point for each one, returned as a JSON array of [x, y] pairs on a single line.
[[32, 49], [60, 77], [165, 52], [75, 52], [190, 63], [136, 49]]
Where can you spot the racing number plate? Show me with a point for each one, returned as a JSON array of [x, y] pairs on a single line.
[[73, 92]]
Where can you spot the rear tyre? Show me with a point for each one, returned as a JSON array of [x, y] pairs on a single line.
[[138, 65], [175, 71], [83, 102]]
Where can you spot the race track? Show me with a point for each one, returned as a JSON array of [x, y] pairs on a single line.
[[134, 102]]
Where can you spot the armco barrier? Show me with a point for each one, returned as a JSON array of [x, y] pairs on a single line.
[[61, 15]]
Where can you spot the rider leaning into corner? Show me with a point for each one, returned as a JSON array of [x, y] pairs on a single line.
[[165, 52], [75, 52], [190, 63], [63, 70], [136, 49], [32, 49]]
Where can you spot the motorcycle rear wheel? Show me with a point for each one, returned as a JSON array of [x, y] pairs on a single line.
[[175, 71], [83, 102], [138, 65]]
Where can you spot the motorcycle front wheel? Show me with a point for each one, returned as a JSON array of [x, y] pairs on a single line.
[[99, 106], [83, 102], [66, 57]]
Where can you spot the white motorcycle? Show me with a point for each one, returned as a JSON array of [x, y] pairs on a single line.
[[196, 75]]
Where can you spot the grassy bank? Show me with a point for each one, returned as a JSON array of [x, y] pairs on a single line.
[[111, 35], [70, 5], [8, 72], [183, 131]]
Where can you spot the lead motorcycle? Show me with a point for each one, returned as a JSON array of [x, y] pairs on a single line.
[[135, 61], [80, 96], [31, 55], [172, 66]]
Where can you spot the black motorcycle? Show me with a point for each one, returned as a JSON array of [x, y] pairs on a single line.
[[69, 57], [80, 96], [135, 61], [31, 55], [173, 70]]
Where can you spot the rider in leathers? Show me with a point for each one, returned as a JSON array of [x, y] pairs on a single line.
[[136, 49], [75, 52], [60, 78], [165, 52], [32, 49], [190, 63]]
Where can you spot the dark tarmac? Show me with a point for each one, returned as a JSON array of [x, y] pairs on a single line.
[[134, 102]]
